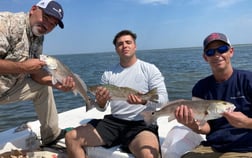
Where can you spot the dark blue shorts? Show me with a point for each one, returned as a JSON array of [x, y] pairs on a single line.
[[115, 131]]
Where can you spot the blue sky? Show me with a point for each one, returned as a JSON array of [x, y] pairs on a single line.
[[90, 25]]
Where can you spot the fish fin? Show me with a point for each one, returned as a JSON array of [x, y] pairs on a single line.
[[153, 95], [170, 118], [174, 101], [154, 98], [54, 80], [149, 117], [196, 98]]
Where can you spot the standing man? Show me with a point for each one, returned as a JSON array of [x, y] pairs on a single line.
[[21, 74], [230, 135], [125, 126]]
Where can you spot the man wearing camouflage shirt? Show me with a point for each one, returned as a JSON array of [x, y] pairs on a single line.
[[21, 74]]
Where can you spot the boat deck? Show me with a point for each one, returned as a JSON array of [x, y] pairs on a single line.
[[10, 140]]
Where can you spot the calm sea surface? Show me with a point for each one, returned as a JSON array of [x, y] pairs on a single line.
[[181, 67]]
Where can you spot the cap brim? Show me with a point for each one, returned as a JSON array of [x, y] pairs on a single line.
[[61, 25]]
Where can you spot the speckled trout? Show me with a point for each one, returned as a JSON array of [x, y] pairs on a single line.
[[59, 71], [203, 110], [122, 93]]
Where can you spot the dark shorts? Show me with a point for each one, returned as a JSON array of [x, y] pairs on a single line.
[[115, 131]]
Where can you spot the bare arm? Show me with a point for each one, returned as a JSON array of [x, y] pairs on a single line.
[[29, 66], [42, 77], [238, 119]]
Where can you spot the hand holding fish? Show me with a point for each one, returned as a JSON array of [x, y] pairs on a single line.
[[238, 119], [199, 110], [185, 116], [60, 78], [123, 93], [32, 65], [102, 96], [67, 84], [136, 99]]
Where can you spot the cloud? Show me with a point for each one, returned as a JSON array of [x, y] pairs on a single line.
[[226, 3], [154, 1]]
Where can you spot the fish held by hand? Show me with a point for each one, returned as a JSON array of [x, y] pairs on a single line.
[[59, 71], [122, 93], [203, 110]]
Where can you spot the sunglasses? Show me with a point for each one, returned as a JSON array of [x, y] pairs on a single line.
[[221, 50]]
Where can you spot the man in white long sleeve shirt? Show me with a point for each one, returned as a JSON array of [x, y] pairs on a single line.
[[125, 126]]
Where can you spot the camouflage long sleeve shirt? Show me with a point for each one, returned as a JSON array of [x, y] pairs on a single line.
[[17, 43]]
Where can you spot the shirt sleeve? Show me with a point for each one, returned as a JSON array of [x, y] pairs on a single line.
[[4, 44], [157, 81]]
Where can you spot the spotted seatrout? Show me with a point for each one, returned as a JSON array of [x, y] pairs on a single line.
[[122, 93]]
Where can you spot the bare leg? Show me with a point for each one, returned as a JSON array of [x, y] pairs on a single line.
[[145, 145], [81, 137]]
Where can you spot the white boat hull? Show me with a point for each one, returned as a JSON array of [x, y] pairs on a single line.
[[24, 140]]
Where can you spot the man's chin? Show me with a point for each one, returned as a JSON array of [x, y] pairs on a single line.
[[36, 32]]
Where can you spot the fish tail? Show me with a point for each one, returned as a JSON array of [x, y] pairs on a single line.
[[90, 103], [83, 93], [86, 99], [148, 117], [153, 96]]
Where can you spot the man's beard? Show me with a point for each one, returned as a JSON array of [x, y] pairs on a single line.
[[35, 31]]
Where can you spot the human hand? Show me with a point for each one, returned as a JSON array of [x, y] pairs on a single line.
[[238, 119], [102, 96], [185, 116], [31, 66], [67, 84], [135, 99]]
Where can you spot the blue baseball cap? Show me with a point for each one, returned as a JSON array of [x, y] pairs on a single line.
[[52, 8]]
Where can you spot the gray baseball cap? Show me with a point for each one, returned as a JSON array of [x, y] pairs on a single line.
[[215, 37]]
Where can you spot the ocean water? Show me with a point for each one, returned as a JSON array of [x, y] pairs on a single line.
[[181, 67]]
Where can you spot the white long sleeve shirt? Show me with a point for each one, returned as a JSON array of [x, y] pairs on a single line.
[[141, 76]]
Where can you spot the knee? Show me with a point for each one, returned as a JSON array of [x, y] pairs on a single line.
[[147, 153], [70, 136], [151, 154]]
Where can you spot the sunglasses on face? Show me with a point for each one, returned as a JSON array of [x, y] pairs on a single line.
[[221, 50]]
